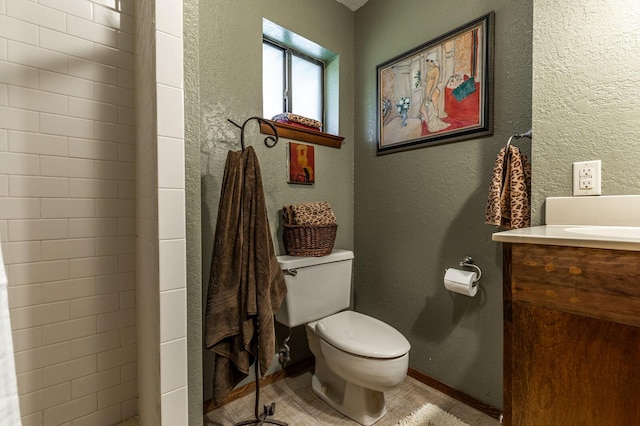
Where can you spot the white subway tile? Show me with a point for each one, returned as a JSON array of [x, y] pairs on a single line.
[[37, 272], [67, 207], [126, 42], [4, 91], [116, 283], [64, 43], [171, 214], [36, 14], [19, 119], [83, 108], [117, 394], [173, 365], [66, 126], [4, 185], [33, 316], [69, 370], [173, 321], [126, 226], [21, 252], [19, 30], [29, 381], [37, 100], [169, 69], [126, 153], [94, 344], [38, 143], [36, 57], [66, 167], [115, 208], [68, 249], [126, 190], [170, 111], [172, 264], [95, 382], [3, 138], [174, 407], [116, 320], [99, 227], [114, 170], [90, 188], [94, 71], [38, 229], [128, 7], [169, 17], [110, 56], [108, 17], [80, 8], [37, 186], [126, 116], [92, 266], [128, 372], [116, 357], [44, 356], [27, 338], [77, 407], [128, 336], [88, 30], [35, 419], [127, 300], [114, 132], [171, 163], [115, 245], [54, 291], [94, 305], [3, 49], [97, 150], [107, 416], [19, 164], [17, 74], [24, 295], [19, 208], [108, 3], [68, 330], [45, 398], [114, 95], [126, 263]]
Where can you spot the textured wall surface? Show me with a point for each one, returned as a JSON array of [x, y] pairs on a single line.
[[421, 211], [231, 87], [586, 102]]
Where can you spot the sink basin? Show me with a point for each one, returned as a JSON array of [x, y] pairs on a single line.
[[628, 232]]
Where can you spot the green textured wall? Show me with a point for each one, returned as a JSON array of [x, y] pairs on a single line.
[[421, 211], [586, 103], [231, 87]]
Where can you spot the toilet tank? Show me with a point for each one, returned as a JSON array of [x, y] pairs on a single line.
[[316, 287]]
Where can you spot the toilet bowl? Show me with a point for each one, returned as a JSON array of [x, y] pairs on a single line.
[[357, 357]]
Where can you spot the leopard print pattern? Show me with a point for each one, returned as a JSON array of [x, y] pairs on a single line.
[[317, 213], [509, 201], [298, 119]]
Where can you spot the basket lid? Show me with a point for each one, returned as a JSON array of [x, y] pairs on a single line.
[[293, 262]]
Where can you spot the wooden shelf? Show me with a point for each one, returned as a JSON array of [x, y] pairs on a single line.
[[302, 135]]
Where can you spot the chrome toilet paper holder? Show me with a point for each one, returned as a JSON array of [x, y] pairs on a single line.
[[468, 262]]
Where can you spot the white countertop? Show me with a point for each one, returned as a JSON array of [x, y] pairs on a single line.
[[605, 237]]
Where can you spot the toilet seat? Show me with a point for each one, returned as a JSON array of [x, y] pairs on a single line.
[[362, 335]]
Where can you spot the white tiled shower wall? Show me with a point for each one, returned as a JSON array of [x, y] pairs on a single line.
[[68, 220]]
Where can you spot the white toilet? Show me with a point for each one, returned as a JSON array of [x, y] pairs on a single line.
[[358, 358]]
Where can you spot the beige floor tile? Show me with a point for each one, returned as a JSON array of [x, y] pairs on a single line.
[[297, 405]]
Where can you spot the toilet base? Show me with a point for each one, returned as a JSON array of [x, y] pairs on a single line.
[[365, 406]]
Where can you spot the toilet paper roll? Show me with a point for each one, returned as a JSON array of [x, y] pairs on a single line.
[[460, 281]]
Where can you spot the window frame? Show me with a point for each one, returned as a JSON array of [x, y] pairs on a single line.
[[287, 97]]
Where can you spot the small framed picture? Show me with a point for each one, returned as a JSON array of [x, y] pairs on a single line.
[[301, 163]]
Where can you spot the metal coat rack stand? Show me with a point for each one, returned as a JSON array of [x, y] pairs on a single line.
[[268, 410]]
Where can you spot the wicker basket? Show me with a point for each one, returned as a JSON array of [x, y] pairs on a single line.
[[309, 240]]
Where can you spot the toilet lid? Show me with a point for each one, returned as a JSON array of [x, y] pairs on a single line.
[[362, 335]]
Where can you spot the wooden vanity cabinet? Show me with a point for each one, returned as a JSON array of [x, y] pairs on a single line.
[[571, 336]]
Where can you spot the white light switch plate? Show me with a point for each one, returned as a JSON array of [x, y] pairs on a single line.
[[587, 178]]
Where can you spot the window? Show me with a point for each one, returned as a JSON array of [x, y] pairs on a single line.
[[291, 82]]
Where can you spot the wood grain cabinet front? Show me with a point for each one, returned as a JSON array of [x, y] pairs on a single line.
[[571, 336]]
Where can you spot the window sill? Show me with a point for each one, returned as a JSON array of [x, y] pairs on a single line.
[[302, 135]]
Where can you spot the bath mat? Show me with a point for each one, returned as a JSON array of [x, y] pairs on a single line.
[[431, 415]]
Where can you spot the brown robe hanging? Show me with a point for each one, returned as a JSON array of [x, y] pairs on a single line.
[[246, 283]]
